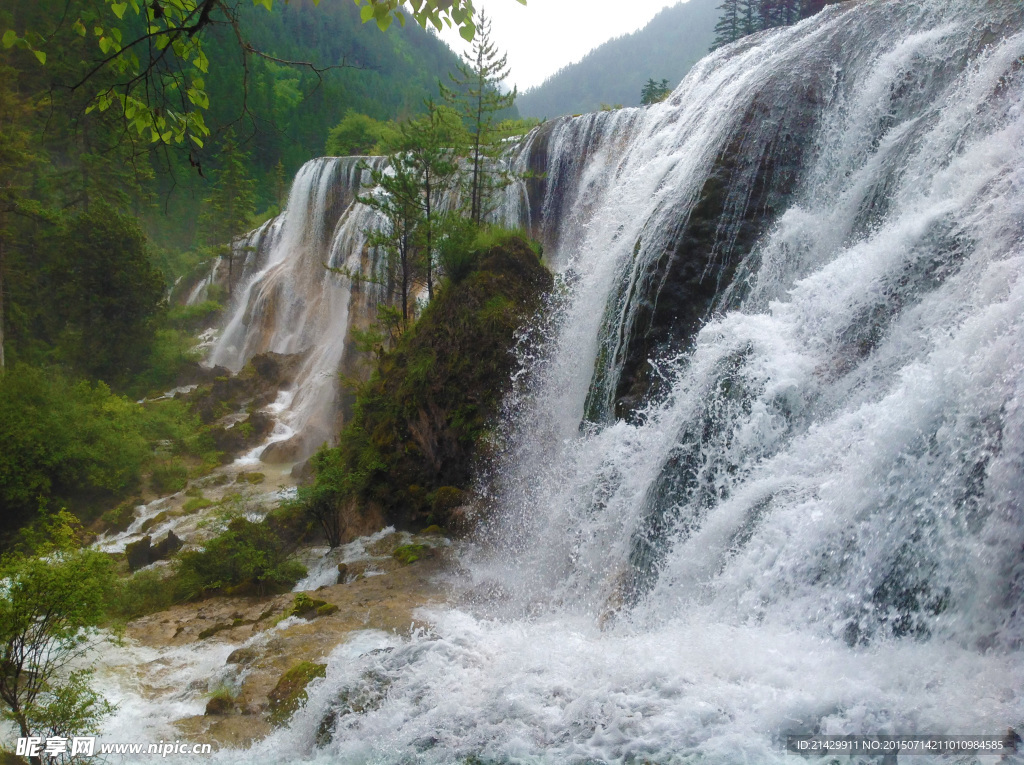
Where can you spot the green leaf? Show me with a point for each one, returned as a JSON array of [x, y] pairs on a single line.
[[198, 142], [40, 55], [119, 9], [79, 28], [268, 4], [365, 14], [10, 37], [467, 31]]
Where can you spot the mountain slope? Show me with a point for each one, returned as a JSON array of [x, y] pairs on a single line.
[[615, 72]]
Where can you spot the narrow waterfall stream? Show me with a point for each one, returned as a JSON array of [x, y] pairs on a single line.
[[767, 474]]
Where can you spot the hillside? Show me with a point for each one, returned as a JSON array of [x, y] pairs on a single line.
[[615, 72]]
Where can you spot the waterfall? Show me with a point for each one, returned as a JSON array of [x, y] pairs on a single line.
[[767, 475], [286, 301]]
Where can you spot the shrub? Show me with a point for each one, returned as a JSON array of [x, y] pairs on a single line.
[[64, 442], [247, 557], [169, 477]]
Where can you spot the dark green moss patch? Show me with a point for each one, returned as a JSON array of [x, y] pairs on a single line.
[[290, 691]]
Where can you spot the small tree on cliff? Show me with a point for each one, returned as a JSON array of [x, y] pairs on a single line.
[[395, 194], [476, 94]]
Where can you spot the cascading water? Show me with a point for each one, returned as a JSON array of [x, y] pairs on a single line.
[[288, 302], [768, 475]]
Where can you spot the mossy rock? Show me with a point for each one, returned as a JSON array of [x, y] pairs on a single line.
[[308, 608], [119, 518], [197, 503], [433, 530], [252, 478], [290, 692], [407, 554], [220, 704], [154, 521]]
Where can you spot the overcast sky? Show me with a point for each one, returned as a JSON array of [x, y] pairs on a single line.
[[545, 35]]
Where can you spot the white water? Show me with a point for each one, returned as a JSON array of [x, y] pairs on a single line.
[[819, 525], [288, 302]]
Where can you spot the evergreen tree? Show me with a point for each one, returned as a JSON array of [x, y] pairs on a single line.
[[728, 28], [654, 92], [396, 196], [229, 210], [476, 95], [432, 143]]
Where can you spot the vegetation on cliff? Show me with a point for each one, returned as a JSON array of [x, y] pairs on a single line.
[[426, 412]]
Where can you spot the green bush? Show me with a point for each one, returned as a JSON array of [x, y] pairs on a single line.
[[247, 557], [145, 592], [64, 442], [169, 477]]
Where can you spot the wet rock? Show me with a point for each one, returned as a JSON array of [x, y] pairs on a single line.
[[282, 452], [166, 547], [242, 656], [139, 554], [342, 573], [221, 704], [290, 692]]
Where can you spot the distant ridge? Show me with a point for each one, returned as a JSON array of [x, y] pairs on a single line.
[[615, 71]]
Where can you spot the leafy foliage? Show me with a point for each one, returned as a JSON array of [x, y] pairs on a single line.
[[52, 600], [356, 134], [248, 556]]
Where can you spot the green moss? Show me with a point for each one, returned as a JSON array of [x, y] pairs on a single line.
[[306, 607], [407, 554], [252, 478], [197, 503], [290, 692]]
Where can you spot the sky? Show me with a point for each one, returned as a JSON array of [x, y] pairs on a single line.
[[545, 35]]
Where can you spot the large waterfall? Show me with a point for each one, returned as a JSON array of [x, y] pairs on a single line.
[[767, 476]]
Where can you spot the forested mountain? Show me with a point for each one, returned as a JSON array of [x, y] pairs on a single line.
[[615, 72]]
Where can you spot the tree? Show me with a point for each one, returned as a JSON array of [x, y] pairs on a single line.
[[728, 28], [432, 144], [654, 92], [476, 95], [51, 602], [156, 52], [356, 134], [109, 293], [228, 211], [395, 195]]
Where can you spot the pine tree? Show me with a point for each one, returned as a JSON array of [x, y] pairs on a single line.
[[432, 143], [729, 26], [228, 211], [396, 196], [476, 95]]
